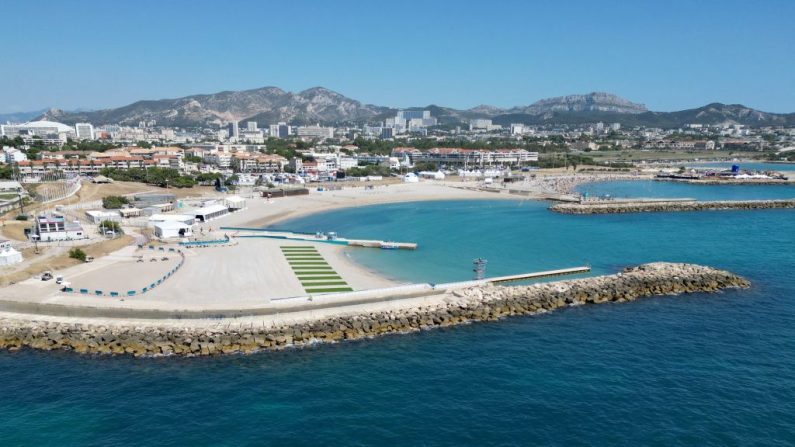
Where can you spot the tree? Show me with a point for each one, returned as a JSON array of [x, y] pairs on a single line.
[[143, 144], [109, 225], [425, 166], [78, 254], [114, 202]]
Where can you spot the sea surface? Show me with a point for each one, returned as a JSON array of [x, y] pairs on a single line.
[[694, 370]]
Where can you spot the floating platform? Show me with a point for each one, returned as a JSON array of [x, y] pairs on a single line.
[[319, 238]]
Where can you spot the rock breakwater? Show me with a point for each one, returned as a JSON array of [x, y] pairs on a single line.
[[617, 207], [483, 303]]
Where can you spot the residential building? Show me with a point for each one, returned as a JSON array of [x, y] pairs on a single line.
[[12, 155], [234, 132], [467, 157], [315, 131], [280, 130]]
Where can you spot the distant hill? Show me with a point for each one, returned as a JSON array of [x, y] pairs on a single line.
[[20, 117], [715, 113], [265, 105], [269, 105]]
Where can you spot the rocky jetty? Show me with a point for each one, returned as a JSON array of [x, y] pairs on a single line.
[[483, 303], [662, 206]]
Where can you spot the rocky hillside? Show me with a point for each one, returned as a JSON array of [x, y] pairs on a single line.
[[269, 105], [592, 102], [265, 105]]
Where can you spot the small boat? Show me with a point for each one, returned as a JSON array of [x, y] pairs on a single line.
[[389, 246]]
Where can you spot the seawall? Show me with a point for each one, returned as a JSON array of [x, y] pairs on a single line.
[[617, 207], [480, 303]]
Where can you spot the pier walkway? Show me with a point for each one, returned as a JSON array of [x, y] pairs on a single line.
[[319, 237]]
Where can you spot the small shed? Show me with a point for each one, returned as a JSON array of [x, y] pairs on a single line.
[[130, 212]]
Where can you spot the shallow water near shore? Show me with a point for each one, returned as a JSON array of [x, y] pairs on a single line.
[[689, 370]]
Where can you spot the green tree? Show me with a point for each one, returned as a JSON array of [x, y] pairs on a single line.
[[114, 202], [78, 254], [109, 225]]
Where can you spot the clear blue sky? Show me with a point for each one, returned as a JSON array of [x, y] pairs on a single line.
[[669, 55]]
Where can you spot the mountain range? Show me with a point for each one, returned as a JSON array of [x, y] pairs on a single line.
[[269, 105]]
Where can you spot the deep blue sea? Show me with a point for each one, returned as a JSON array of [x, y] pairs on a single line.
[[695, 370]]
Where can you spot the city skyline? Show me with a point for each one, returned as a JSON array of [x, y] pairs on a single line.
[[666, 56]]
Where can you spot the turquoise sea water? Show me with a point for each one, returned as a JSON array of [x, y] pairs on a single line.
[[691, 370]]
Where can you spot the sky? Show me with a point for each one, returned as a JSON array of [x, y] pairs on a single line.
[[669, 55]]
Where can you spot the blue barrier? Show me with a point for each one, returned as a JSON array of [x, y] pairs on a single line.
[[114, 293], [83, 290], [130, 292]]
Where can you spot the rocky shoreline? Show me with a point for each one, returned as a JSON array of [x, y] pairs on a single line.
[[482, 303], [662, 206]]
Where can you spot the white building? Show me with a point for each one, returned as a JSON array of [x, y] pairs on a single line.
[[84, 131], [280, 130], [12, 155], [251, 126], [57, 228], [479, 124], [8, 255], [315, 131], [49, 132]]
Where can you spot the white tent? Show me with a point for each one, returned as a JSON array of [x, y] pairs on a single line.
[[210, 212], [171, 229], [411, 178], [182, 218], [8, 255]]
